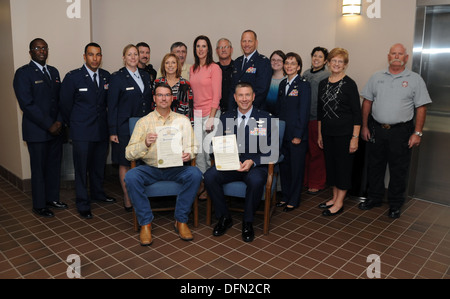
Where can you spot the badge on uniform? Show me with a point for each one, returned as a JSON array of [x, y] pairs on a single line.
[[106, 86], [251, 70], [258, 132], [294, 93]]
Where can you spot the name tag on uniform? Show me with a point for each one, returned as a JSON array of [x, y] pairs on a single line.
[[39, 82], [130, 88], [83, 89]]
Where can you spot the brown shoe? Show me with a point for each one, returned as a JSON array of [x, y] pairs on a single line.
[[146, 235], [183, 231]]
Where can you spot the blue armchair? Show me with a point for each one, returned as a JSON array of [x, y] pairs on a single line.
[[161, 189], [238, 189]]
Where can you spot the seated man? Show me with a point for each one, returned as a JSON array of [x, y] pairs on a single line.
[[254, 155], [143, 146]]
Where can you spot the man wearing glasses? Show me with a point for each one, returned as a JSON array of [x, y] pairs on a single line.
[[143, 146], [37, 88]]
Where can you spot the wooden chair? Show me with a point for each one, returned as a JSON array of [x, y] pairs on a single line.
[[238, 189], [161, 189]]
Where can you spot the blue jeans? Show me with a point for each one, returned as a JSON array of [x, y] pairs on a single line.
[[138, 178]]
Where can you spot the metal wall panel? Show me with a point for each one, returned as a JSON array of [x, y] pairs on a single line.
[[430, 169]]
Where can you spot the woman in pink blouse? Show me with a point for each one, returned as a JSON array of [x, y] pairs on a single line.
[[206, 84]]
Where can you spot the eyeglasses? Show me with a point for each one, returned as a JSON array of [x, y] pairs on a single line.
[[277, 60], [160, 95], [38, 49]]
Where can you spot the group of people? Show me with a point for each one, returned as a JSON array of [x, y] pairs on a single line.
[[321, 108]]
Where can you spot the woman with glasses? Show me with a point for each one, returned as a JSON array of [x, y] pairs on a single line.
[[129, 95], [277, 62], [293, 106], [339, 123]]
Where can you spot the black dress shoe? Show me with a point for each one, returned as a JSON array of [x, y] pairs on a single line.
[[106, 200], [222, 226], [281, 204], [369, 204], [247, 232], [128, 209], [313, 192], [85, 214], [47, 213], [329, 213], [57, 205], [288, 209], [324, 206], [394, 213]]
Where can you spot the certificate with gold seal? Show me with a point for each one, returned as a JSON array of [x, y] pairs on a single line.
[[169, 146], [226, 156]]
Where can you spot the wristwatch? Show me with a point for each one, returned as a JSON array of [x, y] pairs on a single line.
[[420, 134]]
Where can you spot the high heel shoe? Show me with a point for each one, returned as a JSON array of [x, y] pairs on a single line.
[[329, 213], [128, 209]]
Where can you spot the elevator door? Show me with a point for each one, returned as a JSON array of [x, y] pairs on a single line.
[[431, 162]]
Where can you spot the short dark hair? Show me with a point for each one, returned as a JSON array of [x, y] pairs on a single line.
[[320, 49], [296, 57], [143, 44], [243, 84], [250, 31], [176, 45], [91, 45], [165, 85], [35, 40]]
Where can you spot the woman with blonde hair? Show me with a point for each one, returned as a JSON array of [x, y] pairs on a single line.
[[181, 88], [129, 95]]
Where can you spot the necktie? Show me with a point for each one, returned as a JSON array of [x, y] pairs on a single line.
[[242, 124], [46, 73], [95, 80], [241, 131], [287, 88], [245, 62]]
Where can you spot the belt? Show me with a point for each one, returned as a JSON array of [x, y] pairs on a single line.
[[389, 126]]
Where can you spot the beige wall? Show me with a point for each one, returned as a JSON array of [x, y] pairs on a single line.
[[368, 40], [289, 25], [10, 132], [22, 21]]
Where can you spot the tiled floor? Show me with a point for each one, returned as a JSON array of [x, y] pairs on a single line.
[[301, 244]]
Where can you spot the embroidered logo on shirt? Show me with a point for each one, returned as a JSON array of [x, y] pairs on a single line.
[[405, 84]]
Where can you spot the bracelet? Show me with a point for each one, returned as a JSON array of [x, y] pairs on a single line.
[[353, 136]]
